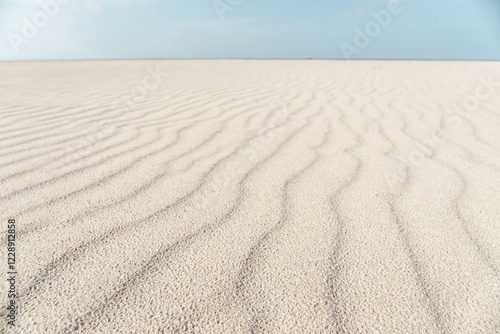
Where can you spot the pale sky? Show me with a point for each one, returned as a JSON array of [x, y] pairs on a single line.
[[109, 29]]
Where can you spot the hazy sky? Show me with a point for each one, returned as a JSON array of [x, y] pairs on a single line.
[[96, 29]]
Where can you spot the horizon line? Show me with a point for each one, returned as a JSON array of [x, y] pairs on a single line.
[[302, 58]]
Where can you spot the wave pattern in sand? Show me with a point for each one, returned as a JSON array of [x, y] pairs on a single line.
[[253, 196]]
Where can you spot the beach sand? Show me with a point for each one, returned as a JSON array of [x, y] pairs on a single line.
[[239, 196]]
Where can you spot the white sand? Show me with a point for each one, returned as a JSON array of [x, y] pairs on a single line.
[[253, 196]]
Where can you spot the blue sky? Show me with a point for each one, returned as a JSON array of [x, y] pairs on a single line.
[[103, 29]]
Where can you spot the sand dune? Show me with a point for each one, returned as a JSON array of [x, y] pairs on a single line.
[[253, 196]]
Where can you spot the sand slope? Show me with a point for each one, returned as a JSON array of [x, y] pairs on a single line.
[[253, 196]]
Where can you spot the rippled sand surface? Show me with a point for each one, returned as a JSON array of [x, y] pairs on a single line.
[[253, 196]]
